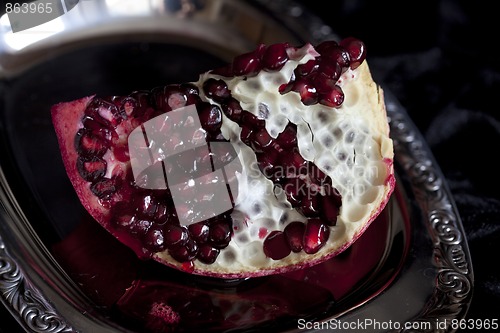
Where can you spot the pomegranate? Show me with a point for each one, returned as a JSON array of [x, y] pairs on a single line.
[[278, 161]]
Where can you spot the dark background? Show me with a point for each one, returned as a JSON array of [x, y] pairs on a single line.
[[437, 57]]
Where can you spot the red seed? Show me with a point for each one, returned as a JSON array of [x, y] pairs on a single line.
[[288, 138], [216, 90], [294, 189], [199, 231], [307, 91], [305, 69], [334, 98], [175, 236], [315, 236], [248, 64], [232, 109], [276, 245], [294, 233], [207, 254], [219, 234], [275, 57], [153, 239], [356, 49], [92, 168], [90, 144], [260, 140], [210, 116], [310, 205], [186, 252], [336, 54]]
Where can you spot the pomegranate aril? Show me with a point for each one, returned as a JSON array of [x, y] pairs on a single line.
[[91, 168], [186, 252], [306, 90], [192, 93], [305, 69], [286, 87], [252, 121], [332, 193], [154, 240], [294, 189], [336, 54], [175, 235], [315, 236], [323, 47], [276, 245], [288, 138], [216, 90], [333, 98], [310, 205], [89, 144], [232, 109], [104, 188], [330, 210], [260, 140], [199, 231], [97, 127], [210, 117], [317, 176], [219, 234], [293, 163], [169, 98], [330, 69], [248, 64], [246, 134], [325, 82], [127, 105], [122, 220], [294, 233], [267, 162], [140, 226], [146, 206], [275, 57], [104, 111], [207, 254], [356, 49]]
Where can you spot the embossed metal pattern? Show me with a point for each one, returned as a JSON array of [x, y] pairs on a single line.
[[453, 285], [25, 300]]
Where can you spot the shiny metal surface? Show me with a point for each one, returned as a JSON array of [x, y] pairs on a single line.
[[436, 278]]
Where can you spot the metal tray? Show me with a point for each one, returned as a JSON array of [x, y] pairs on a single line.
[[421, 278]]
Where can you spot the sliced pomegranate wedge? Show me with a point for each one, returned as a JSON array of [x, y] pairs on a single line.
[[278, 161]]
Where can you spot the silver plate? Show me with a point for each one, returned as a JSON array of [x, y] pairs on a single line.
[[430, 283]]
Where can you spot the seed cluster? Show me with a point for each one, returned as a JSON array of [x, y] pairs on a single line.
[[307, 188], [315, 81], [150, 215]]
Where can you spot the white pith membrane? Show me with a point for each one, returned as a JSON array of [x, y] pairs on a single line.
[[350, 144]]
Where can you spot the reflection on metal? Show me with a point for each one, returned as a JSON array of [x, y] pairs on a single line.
[[25, 300]]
